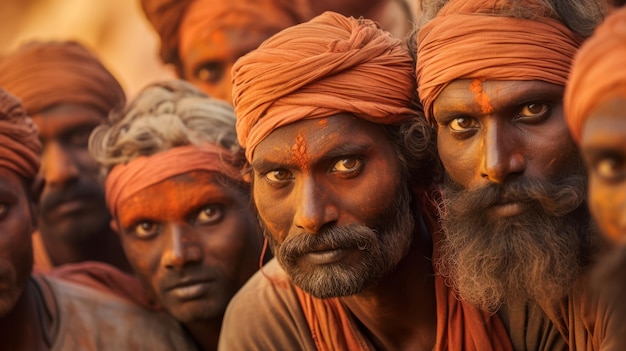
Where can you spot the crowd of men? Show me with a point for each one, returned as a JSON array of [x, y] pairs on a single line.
[[324, 175]]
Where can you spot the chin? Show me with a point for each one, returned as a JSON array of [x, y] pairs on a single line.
[[194, 312]]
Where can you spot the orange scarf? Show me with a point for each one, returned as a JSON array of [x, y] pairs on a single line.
[[466, 40], [598, 73], [329, 65]]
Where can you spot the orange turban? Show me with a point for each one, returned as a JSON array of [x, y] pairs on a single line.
[[598, 73], [329, 65], [468, 40], [19, 144], [45, 74], [202, 17]]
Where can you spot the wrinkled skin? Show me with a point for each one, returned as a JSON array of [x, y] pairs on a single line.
[[603, 145]]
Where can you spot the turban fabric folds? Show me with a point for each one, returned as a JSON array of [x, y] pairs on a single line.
[[466, 40], [598, 72], [45, 74], [19, 145], [329, 65], [126, 180], [200, 18]]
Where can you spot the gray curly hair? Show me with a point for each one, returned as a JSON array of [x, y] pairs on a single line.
[[164, 115]]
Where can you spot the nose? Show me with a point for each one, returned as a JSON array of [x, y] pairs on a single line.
[[183, 249], [57, 165], [502, 153], [315, 207]]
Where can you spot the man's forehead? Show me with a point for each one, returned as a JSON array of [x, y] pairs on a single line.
[[63, 117]]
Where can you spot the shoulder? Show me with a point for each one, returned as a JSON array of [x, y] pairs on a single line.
[[90, 319], [266, 315]]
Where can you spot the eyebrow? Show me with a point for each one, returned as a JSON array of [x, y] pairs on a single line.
[[348, 149]]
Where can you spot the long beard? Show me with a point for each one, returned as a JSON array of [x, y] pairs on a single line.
[[534, 256], [379, 250]]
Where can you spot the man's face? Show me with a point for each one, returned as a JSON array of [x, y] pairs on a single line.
[[603, 146], [72, 206], [514, 218], [16, 226], [193, 242], [208, 62], [331, 195]]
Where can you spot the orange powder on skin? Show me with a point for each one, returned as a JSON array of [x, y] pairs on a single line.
[[299, 153], [476, 87]]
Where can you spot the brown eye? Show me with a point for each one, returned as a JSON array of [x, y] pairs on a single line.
[[4, 209], [210, 72], [278, 175], [347, 165], [210, 214], [462, 123], [534, 109], [145, 230], [610, 168]]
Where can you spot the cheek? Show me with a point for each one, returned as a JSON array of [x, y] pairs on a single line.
[[275, 213], [144, 257], [459, 158], [86, 162], [608, 206]]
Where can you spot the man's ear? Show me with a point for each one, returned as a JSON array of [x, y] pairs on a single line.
[[35, 194], [114, 226]]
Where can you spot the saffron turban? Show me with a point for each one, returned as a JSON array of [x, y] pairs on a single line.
[[598, 73], [468, 40], [201, 18], [329, 65], [19, 144], [45, 74]]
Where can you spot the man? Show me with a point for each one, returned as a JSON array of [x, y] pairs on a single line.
[[179, 203], [518, 236], [67, 92], [203, 38], [44, 313], [341, 172]]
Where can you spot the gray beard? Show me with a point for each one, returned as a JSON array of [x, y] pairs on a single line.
[[537, 255]]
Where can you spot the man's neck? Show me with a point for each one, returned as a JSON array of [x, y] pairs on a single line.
[[21, 328], [205, 333], [103, 247], [400, 311]]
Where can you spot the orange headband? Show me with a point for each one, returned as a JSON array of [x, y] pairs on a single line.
[[598, 73], [126, 180], [329, 65], [461, 42]]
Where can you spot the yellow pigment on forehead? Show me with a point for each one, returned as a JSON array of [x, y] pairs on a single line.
[[476, 87]]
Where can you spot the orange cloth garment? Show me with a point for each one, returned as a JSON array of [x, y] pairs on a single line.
[[19, 145], [44, 74], [125, 180], [466, 40], [201, 18], [329, 65], [598, 72], [460, 326]]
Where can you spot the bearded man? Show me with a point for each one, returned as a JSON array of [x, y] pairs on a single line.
[[519, 238], [341, 168]]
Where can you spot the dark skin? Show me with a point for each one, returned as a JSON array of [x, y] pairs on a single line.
[[19, 319], [310, 175], [496, 131], [193, 248], [603, 145], [208, 62], [73, 221]]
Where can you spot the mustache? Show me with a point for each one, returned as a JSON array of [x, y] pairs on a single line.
[[56, 197], [344, 237], [556, 198]]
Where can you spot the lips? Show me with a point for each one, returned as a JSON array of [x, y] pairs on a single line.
[[190, 289], [509, 209]]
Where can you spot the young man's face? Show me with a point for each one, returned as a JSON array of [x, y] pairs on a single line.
[[193, 242], [207, 63], [331, 195], [16, 227], [72, 206], [603, 145]]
